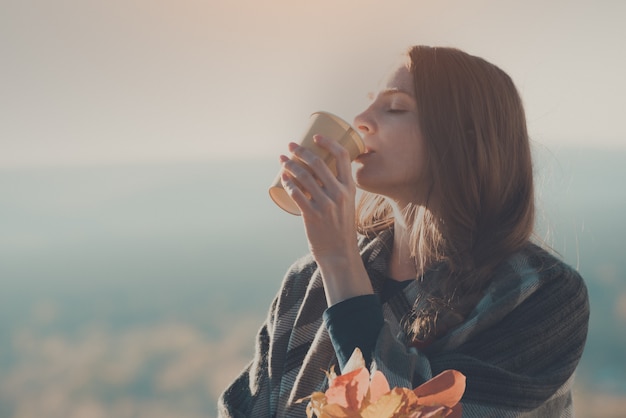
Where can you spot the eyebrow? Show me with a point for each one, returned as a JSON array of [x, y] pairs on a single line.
[[389, 92]]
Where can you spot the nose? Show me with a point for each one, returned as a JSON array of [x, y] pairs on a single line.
[[364, 123]]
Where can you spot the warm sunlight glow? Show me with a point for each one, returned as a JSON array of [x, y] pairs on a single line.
[[193, 80]]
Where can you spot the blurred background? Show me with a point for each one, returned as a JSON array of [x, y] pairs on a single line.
[[139, 249]]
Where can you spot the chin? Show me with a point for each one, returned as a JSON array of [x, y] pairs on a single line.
[[366, 184]]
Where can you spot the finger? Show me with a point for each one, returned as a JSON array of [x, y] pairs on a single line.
[[305, 179], [340, 154], [295, 192], [317, 166], [283, 159]]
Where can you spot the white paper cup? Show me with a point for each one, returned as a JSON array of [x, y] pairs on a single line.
[[329, 126]]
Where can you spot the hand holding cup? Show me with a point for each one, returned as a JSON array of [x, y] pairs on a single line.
[[329, 126]]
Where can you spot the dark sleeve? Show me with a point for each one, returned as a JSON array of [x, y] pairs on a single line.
[[352, 323]]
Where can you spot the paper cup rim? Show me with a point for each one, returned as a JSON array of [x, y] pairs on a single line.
[[348, 127]]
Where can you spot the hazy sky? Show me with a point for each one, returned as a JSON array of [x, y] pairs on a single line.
[[86, 81]]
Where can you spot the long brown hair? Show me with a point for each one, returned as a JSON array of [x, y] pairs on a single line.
[[479, 160]]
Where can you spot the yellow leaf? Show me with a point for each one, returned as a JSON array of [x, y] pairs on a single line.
[[409, 400], [355, 361], [317, 401], [354, 395], [386, 406], [429, 412], [337, 411]]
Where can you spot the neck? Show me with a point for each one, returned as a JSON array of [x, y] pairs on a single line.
[[403, 264]]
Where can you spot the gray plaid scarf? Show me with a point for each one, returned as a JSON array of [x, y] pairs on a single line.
[[518, 348]]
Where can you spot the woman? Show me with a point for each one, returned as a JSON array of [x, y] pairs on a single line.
[[435, 268]]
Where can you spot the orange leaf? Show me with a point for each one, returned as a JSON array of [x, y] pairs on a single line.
[[444, 389], [378, 386], [348, 390], [456, 411]]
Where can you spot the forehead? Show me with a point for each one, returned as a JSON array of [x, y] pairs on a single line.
[[398, 78]]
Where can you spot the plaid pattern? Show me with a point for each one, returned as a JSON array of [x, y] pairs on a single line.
[[518, 348]]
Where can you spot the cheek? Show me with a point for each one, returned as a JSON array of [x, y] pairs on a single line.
[[418, 143], [413, 161], [412, 169], [415, 149]]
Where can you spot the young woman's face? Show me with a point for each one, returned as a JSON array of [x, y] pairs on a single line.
[[393, 164]]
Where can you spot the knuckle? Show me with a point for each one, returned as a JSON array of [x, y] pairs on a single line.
[[295, 168], [303, 153], [317, 163], [299, 152], [291, 168], [341, 199], [327, 206], [342, 152]]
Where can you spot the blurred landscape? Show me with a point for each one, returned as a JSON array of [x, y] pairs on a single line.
[[136, 290]]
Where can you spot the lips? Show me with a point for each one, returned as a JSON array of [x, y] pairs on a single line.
[[364, 154]]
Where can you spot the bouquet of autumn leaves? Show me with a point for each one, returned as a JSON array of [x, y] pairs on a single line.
[[356, 394]]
